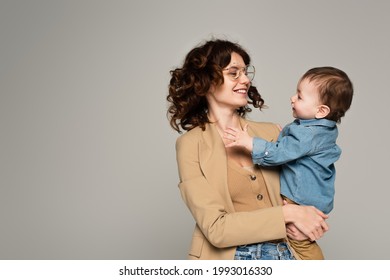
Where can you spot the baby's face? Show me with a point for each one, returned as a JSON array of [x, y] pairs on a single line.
[[305, 102]]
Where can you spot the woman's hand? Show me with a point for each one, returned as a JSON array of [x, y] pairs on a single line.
[[294, 233], [307, 219]]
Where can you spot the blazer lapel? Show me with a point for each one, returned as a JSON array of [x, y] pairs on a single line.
[[213, 162]]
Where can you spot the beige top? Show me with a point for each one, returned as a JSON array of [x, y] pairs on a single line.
[[247, 187]]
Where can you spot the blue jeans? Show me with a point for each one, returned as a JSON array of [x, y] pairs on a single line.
[[264, 251]]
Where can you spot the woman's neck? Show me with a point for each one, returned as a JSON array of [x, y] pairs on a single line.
[[224, 119]]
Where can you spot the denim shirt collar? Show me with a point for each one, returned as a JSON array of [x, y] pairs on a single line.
[[320, 122]]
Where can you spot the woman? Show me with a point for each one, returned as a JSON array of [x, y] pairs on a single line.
[[237, 206]]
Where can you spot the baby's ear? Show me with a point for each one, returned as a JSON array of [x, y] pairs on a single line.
[[322, 111]]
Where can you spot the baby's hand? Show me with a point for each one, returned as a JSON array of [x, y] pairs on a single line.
[[239, 138]]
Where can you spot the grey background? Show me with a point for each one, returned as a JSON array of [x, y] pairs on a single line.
[[87, 157]]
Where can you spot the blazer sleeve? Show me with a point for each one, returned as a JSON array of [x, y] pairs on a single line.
[[221, 227]]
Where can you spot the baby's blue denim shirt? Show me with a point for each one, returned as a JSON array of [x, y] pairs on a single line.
[[306, 151]]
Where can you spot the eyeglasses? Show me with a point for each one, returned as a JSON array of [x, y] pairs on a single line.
[[235, 72]]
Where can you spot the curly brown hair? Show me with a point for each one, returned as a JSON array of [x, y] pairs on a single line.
[[189, 84]]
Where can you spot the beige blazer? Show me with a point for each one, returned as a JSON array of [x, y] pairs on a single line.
[[202, 165]]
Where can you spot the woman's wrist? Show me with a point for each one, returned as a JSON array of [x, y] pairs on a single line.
[[288, 210]]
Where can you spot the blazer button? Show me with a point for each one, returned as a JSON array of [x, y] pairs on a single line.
[[253, 177], [259, 196]]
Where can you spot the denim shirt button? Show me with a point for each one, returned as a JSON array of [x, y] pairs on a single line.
[[259, 196], [253, 177]]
